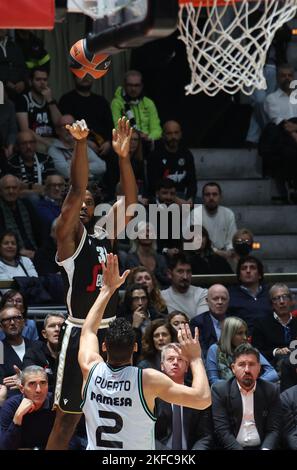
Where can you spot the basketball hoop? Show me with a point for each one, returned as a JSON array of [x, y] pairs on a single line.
[[227, 41]]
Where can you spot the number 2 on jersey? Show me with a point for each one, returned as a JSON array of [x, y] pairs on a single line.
[[109, 430]]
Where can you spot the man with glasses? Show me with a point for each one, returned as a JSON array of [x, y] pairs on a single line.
[[141, 111], [49, 205], [14, 347], [272, 335]]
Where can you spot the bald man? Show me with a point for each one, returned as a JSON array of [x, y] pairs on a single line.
[[173, 160], [29, 166], [210, 323], [61, 151]]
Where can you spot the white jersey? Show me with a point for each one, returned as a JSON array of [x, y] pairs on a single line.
[[117, 416]]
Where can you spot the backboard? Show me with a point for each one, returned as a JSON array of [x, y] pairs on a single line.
[[128, 23]]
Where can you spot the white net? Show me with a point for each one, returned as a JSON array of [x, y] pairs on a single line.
[[227, 42]]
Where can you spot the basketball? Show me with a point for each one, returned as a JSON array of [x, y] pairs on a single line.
[[83, 62]]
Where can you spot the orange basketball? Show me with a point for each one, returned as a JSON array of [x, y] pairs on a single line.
[[83, 62]]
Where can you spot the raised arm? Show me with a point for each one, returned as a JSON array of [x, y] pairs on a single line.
[[69, 227], [121, 145], [88, 346], [159, 385]]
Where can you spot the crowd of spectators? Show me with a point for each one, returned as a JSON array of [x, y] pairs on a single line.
[[36, 153]]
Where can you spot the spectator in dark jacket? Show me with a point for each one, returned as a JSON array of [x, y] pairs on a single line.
[[14, 347], [196, 424], [249, 299], [289, 423], [273, 335], [205, 260], [210, 323], [259, 428], [26, 420], [45, 353], [173, 160]]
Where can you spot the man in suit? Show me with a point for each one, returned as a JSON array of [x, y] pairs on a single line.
[[195, 426], [289, 424], [273, 334], [210, 323], [246, 410]]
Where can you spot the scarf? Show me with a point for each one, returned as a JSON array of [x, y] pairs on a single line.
[[224, 362], [10, 222], [37, 167]]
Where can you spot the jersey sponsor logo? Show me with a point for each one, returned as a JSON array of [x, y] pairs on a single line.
[[96, 278], [65, 400], [117, 385], [112, 401]]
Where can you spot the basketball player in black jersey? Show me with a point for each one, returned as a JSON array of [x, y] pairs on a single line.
[[80, 253]]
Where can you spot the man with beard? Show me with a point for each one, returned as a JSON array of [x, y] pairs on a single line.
[[173, 160], [246, 410], [82, 103], [181, 295], [81, 252], [218, 220], [129, 101]]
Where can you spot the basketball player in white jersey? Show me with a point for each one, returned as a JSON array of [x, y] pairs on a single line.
[[119, 399]]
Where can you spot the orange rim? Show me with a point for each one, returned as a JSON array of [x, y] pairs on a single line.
[[210, 3]]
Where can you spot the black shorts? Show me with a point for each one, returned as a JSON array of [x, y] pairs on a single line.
[[69, 377]]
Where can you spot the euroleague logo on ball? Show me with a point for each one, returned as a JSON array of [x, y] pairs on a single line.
[[76, 50], [83, 61]]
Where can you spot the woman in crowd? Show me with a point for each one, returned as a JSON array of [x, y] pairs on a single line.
[[242, 242], [205, 260], [156, 335], [140, 275], [13, 298], [143, 252], [11, 263], [177, 319], [220, 356], [137, 310]]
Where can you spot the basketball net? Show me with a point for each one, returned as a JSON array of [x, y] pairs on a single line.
[[227, 41]]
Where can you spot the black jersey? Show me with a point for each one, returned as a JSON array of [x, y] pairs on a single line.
[[39, 116], [82, 276]]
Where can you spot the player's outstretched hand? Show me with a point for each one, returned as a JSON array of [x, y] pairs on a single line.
[[121, 138], [79, 130], [111, 274], [190, 347]]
